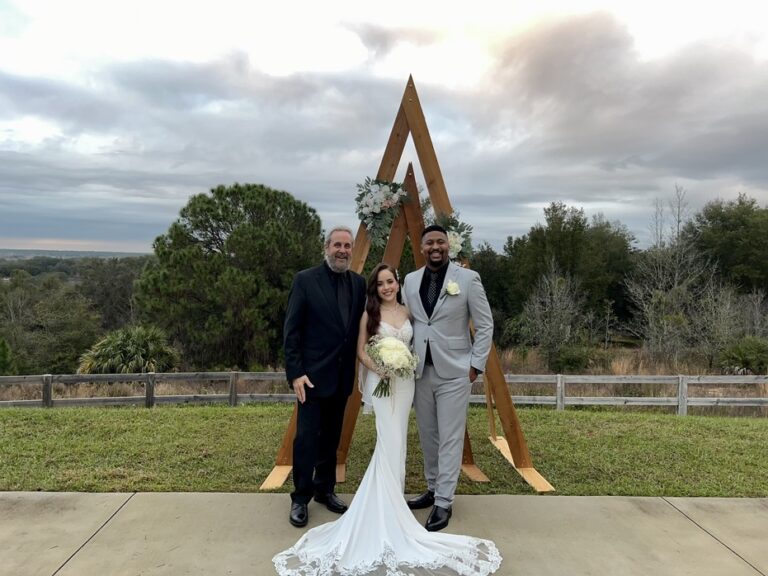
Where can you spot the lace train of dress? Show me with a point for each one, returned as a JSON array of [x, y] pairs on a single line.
[[378, 535]]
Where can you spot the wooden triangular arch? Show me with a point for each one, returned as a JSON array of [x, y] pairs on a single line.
[[410, 222]]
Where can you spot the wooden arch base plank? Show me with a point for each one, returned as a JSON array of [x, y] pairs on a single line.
[[517, 454], [284, 458]]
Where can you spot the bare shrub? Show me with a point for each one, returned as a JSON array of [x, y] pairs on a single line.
[[553, 315]]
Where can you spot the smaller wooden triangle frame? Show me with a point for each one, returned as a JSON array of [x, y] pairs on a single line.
[[410, 221]]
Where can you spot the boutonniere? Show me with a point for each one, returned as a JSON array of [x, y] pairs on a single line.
[[452, 288]]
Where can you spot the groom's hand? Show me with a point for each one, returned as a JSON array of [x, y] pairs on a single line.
[[472, 374], [298, 387]]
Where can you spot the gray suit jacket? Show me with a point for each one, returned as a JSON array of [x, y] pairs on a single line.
[[447, 331]]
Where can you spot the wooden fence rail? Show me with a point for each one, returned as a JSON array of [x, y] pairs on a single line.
[[559, 382]]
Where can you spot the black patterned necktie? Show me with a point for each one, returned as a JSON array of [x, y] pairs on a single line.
[[432, 291]]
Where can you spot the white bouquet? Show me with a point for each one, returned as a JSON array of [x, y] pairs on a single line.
[[391, 358]]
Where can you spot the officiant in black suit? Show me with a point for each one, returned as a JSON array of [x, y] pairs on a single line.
[[321, 326]]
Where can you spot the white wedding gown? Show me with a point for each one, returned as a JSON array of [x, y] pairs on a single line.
[[379, 534]]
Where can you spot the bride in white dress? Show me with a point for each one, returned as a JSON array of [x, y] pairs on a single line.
[[378, 535]]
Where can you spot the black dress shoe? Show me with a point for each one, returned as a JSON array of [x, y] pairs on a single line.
[[299, 515], [424, 500], [438, 518], [332, 502]]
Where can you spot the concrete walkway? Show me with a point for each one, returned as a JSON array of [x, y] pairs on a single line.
[[149, 534]]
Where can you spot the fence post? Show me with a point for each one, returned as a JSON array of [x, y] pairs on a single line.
[[560, 393], [682, 395], [233, 376], [150, 390], [47, 391]]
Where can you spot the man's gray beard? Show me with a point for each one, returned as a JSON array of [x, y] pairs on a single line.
[[331, 261]]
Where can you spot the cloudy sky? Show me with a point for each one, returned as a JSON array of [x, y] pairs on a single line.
[[114, 113]]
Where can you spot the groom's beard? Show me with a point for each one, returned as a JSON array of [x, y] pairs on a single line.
[[436, 264], [337, 264]]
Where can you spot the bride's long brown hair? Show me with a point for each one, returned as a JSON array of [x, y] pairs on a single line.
[[373, 304]]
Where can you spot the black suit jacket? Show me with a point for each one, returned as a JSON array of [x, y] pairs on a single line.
[[316, 343]]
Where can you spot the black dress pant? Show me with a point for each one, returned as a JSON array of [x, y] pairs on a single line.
[[318, 430]]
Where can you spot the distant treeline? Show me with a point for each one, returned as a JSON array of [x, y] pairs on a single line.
[[25, 254], [69, 263]]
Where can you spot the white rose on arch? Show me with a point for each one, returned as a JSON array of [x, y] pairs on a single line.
[[454, 244]]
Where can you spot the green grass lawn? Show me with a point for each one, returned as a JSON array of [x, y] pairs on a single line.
[[223, 449]]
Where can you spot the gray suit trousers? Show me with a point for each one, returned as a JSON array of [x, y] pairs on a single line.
[[442, 401]]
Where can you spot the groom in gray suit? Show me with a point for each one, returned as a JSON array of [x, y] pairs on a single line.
[[443, 298]]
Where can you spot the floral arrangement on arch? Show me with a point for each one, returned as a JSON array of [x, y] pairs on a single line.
[[459, 233], [378, 202]]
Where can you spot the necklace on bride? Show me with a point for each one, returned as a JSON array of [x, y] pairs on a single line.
[[390, 308]]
